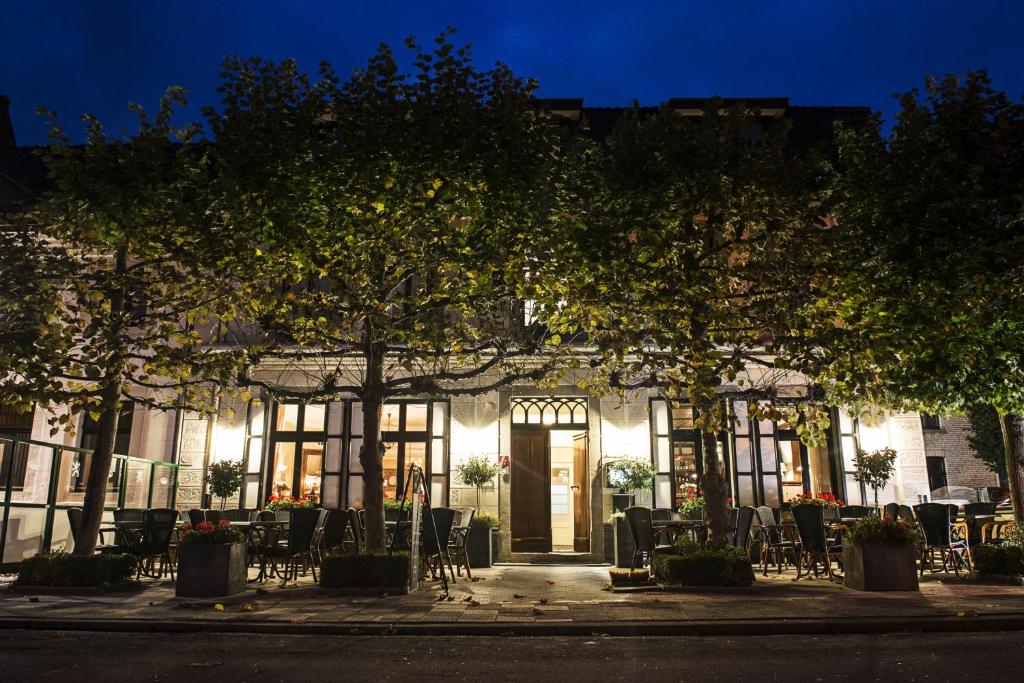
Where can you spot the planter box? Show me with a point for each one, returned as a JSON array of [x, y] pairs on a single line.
[[208, 570], [624, 545], [479, 548], [609, 543], [879, 567], [367, 574]]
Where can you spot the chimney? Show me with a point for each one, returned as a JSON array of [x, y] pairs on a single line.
[[6, 127]]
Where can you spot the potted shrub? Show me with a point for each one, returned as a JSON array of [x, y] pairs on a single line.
[[692, 505], [688, 564], [623, 540], [879, 555], [875, 469], [65, 571], [628, 475], [1004, 560], [225, 479], [391, 508], [480, 541], [211, 561], [477, 472]]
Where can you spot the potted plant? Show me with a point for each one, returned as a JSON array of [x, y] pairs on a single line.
[[875, 469], [480, 541], [225, 479], [629, 475], [879, 555], [824, 500], [477, 472], [211, 561], [692, 504], [392, 507], [280, 505], [623, 540]]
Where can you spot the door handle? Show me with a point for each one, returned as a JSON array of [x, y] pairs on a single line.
[[575, 487]]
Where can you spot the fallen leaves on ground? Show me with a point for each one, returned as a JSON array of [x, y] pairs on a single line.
[[550, 582], [248, 607], [218, 607], [517, 596], [543, 601]]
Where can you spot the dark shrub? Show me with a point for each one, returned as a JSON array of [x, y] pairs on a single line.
[[691, 565], [365, 571], [998, 559], [61, 569]]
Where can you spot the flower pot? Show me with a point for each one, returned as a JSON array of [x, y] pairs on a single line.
[[478, 547], [624, 545], [879, 567], [207, 570], [621, 501], [495, 544]]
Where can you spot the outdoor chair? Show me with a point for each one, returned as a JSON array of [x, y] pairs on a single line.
[[318, 533], [665, 535], [457, 544], [296, 547], [356, 530], [642, 529], [940, 535], [739, 530], [332, 536], [815, 545], [213, 516], [906, 513], [196, 517], [129, 525], [974, 526], [154, 543], [855, 511], [891, 510], [775, 543], [75, 521], [435, 540], [240, 515], [266, 516]]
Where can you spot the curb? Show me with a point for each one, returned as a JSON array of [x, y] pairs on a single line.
[[721, 627]]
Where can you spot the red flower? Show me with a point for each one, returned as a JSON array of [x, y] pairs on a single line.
[[271, 499]]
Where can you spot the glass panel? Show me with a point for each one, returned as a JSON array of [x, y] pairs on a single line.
[[415, 454], [312, 468], [355, 445], [564, 414], [682, 417], [163, 486], [313, 420], [579, 414], [72, 478], [845, 422], [391, 470], [255, 456], [768, 460], [789, 463], [333, 462], [518, 414], [437, 456], [416, 417], [743, 461], [548, 414], [332, 486], [849, 453], [663, 464], [853, 496], [284, 469], [437, 492], [252, 491], [742, 422], [533, 414], [439, 418], [256, 412], [766, 426], [136, 494], [662, 491], [820, 471], [357, 418], [684, 457], [660, 417], [389, 417], [771, 491], [746, 491], [287, 417], [335, 413], [355, 492]]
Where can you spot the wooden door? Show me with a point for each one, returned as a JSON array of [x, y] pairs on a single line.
[[531, 492], [581, 497]]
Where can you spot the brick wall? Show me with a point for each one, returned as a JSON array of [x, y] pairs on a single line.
[[950, 442]]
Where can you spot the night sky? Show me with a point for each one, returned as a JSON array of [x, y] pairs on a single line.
[[96, 56]]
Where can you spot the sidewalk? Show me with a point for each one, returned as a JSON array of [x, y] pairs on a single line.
[[538, 599]]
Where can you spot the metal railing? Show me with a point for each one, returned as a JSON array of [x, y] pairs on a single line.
[[38, 479]]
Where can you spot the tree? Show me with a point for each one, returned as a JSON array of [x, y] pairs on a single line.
[[225, 479], [123, 301], [692, 264], [391, 226], [477, 472], [986, 437], [874, 469], [924, 303]]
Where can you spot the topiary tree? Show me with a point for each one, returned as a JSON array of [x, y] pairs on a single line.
[[476, 472], [225, 479], [875, 469], [631, 475]]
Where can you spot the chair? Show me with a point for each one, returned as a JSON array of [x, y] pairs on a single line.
[[297, 545], [906, 513], [436, 536], [155, 543], [266, 516], [460, 535], [940, 534], [213, 516], [815, 544], [739, 533], [891, 510], [971, 510], [196, 517], [240, 515], [667, 535], [640, 524], [774, 541], [854, 511], [332, 534], [75, 521]]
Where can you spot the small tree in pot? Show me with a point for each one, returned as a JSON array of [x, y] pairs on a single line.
[[225, 479], [476, 472], [630, 475], [875, 469]]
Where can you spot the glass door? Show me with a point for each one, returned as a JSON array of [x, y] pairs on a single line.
[[297, 461]]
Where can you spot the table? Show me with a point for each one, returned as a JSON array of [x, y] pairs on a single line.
[[694, 528], [258, 536]]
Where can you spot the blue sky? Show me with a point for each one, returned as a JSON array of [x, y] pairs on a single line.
[[98, 55]]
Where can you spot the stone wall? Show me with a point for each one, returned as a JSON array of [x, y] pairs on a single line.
[[963, 468]]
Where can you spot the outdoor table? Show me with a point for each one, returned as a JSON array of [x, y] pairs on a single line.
[[694, 528], [257, 534]]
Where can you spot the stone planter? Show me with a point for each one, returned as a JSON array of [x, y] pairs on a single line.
[[207, 570], [624, 545], [621, 501], [479, 547], [878, 567]]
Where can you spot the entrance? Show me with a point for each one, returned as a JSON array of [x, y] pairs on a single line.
[[550, 476]]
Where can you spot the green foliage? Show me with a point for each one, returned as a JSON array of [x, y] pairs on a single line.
[[275, 503], [225, 478], [477, 471], [986, 437], [874, 529], [1003, 559], [484, 520], [394, 504], [875, 469], [208, 534], [691, 565], [62, 569], [365, 571], [630, 474]]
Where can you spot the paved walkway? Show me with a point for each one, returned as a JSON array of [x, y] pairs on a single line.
[[528, 594]]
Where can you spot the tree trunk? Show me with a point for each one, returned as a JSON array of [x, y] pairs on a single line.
[[1012, 425], [371, 456], [99, 471], [714, 492]]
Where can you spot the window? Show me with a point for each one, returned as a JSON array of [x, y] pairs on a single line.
[[297, 450], [404, 427], [14, 462], [930, 422], [677, 453], [936, 472]]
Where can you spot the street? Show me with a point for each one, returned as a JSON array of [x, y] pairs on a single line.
[[109, 657]]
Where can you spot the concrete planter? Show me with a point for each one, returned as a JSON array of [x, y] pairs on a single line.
[[479, 547], [878, 567], [624, 545], [210, 570]]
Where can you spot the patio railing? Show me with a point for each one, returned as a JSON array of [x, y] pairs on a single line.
[[38, 480]]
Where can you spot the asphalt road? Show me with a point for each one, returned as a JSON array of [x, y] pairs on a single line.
[[109, 657]]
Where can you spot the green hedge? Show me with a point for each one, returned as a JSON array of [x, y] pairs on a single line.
[[365, 571], [691, 565], [998, 559], [62, 569]]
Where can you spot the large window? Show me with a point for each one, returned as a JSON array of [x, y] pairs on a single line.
[[297, 454], [14, 462], [677, 450], [936, 472]]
